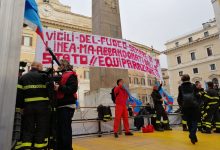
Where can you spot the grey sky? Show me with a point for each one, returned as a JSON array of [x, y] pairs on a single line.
[[153, 22]]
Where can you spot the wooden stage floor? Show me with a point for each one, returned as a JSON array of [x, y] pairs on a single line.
[[169, 140]]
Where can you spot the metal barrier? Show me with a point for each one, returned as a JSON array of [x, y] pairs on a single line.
[[86, 118]]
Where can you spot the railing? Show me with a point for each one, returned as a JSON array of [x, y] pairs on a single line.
[[89, 115]]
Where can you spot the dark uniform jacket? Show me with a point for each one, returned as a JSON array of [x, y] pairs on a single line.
[[198, 96], [211, 97], [32, 87], [157, 97]]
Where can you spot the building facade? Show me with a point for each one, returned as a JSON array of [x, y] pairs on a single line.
[[166, 79], [55, 15], [196, 54]]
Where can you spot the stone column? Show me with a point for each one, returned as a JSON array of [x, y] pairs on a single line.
[[11, 18], [106, 21], [216, 6]]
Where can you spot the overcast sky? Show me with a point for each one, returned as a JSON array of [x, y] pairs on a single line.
[[153, 22]]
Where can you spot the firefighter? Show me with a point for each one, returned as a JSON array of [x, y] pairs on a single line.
[[160, 111], [198, 91], [121, 108], [211, 100], [36, 108], [66, 104]]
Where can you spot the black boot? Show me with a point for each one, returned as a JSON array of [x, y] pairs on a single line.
[[167, 127], [200, 129], [207, 131], [116, 135], [193, 140], [217, 131], [159, 128], [185, 127], [129, 134]]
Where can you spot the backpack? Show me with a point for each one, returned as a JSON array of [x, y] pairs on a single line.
[[139, 122], [104, 113], [113, 95], [189, 99]]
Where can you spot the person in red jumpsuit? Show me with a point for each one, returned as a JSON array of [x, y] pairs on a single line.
[[121, 109]]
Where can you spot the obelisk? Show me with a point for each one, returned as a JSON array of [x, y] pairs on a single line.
[[106, 22], [11, 17], [216, 6]]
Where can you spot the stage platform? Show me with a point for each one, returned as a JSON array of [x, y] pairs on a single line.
[[169, 140]]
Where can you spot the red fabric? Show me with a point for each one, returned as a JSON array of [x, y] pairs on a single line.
[[64, 78], [121, 112], [121, 96], [148, 129]]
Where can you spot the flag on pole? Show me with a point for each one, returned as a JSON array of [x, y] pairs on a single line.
[[135, 103], [168, 99], [32, 18]]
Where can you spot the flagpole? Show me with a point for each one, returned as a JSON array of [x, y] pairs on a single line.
[[11, 16]]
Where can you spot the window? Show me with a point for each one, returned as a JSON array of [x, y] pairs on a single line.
[[212, 67], [190, 39], [164, 83], [193, 56], [130, 80], [135, 80], [86, 74], [180, 73], [179, 60], [149, 82], [143, 99], [142, 81], [195, 70], [46, 1], [209, 51], [177, 44], [206, 34], [27, 41]]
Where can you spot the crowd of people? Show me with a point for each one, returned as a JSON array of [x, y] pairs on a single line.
[[200, 108], [36, 89]]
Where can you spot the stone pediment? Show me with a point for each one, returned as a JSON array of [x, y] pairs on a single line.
[[54, 11], [55, 4], [214, 76]]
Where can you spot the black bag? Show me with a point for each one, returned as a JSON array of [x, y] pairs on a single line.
[[189, 99], [113, 95], [104, 113], [139, 122], [130, 112]]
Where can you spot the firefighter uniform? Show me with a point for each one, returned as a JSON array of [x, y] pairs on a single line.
[[160, 111], [36, 109], [198, 93], [211, 110]]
